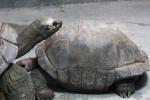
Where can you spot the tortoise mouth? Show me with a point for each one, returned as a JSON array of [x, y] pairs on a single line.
[[56, 25]]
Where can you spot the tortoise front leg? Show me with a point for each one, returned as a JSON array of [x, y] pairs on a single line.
[[42, 92], [125, 89], [41, 88]]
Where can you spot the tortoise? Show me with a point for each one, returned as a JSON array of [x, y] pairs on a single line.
[[15, 41], [86, 56]]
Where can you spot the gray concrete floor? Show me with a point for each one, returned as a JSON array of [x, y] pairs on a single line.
[[131, 15]]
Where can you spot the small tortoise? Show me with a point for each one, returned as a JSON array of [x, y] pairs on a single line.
[[86, 56], [15, 41]]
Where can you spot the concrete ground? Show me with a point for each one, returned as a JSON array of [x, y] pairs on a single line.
[[134, 15]]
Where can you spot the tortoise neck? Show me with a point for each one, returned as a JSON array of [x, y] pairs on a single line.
[[27, 38]]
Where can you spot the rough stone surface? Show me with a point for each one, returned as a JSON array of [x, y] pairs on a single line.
[[30, 3]]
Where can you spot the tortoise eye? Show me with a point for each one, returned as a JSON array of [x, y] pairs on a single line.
[[55, 23]]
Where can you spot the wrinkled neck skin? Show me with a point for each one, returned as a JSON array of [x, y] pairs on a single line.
[[31, 35], [27, 39], [17, 27]]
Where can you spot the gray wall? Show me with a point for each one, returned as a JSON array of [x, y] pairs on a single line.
[[30, 3]]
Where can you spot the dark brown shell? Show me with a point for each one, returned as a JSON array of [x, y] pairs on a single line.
[[92, 58]]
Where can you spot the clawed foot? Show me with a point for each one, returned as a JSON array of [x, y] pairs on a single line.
[[125, 90], [45, 94]]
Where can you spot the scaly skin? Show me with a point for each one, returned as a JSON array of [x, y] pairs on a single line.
[[42, 92], [16, 83], [125, 90]]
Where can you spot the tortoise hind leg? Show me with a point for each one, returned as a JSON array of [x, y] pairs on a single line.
[[42, 92], [126, 87]]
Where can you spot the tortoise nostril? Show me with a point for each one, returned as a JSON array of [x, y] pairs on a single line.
[[60, 22]]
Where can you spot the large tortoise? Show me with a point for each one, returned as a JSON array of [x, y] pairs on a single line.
[[15, 41], [86, 56]]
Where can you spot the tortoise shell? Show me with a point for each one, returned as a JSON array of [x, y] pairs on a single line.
[[8, 46], [92, 56]]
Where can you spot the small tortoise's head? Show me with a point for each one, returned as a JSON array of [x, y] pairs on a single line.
[[47, 27]]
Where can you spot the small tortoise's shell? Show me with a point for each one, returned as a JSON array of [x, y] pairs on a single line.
[[91, 56], [8, 47]]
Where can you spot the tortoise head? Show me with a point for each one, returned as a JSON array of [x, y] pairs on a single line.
[[48, 27]]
